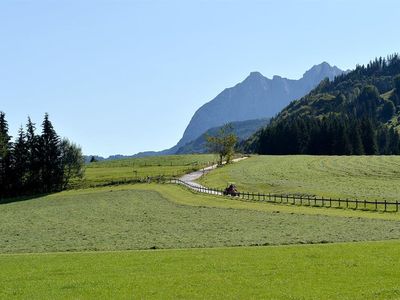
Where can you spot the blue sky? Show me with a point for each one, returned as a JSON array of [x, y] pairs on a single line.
[[126, 76]]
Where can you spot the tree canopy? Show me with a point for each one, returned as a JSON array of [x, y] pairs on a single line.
[[36, 163], [223, 143]]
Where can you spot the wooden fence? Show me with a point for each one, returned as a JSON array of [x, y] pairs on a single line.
[[384, 206]]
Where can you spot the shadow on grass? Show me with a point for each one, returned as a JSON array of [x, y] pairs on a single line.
[[23, 198]]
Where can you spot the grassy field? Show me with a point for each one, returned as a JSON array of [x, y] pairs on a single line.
[[142, 217], [89, 243], [104, 172], [361, 177], [336, 271]]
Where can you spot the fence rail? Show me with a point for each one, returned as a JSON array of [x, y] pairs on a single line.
[[384, 206]]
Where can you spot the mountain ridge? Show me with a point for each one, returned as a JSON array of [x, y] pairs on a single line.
[[255, 97]]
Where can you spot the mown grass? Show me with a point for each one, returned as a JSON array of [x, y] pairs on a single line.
[[106, 172], [353, 177], [367, 270], [123, 219]]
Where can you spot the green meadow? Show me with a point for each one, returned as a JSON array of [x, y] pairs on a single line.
[[165, 241], [369, 270], [120, 170], [360, 177], [143, 218]]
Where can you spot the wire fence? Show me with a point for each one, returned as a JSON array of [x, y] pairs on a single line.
[[384, 206]]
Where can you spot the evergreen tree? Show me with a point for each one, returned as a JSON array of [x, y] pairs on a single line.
[[369, 137], [394, 142], [388, 110], [20, 163], [331, 135], [355, 137], [34, 164], [33, 181], [396, 92], [383, 140], [50, 157], [396, 82], [367, 102], [5, 163]]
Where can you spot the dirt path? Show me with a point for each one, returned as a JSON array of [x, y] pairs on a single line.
[[189, 179]]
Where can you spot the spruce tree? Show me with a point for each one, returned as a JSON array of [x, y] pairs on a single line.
[[33, 181], [388, 110], [369, 137], [394, 144], [50, 157], [5, 163], [383, 140], [20, 163], [356, 140]]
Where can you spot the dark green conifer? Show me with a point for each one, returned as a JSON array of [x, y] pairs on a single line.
[[20, 162], [50, 157], [5, 163]]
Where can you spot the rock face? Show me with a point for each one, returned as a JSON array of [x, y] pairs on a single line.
[[254, 98]]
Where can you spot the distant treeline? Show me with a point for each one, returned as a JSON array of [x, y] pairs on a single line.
[[34, 163], [331, 135]]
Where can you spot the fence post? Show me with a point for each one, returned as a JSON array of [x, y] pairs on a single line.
[[309, 203], [301, 200], [365, 204], [397, 205], [330, 202], [269, 197], [281, 198], [258, 196], [323, 202], [356, 203], [376, 204], [385, 205], [287, 198]]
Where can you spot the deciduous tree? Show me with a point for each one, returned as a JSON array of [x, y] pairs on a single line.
[[223, 143]]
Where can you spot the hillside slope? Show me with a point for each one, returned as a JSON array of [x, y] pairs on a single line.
[[243, 130], [357, 113]]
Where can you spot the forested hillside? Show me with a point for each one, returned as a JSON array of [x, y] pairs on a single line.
[[356, 113]]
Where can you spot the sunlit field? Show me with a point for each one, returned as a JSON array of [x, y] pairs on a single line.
[[361, 177], [125, 170]]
